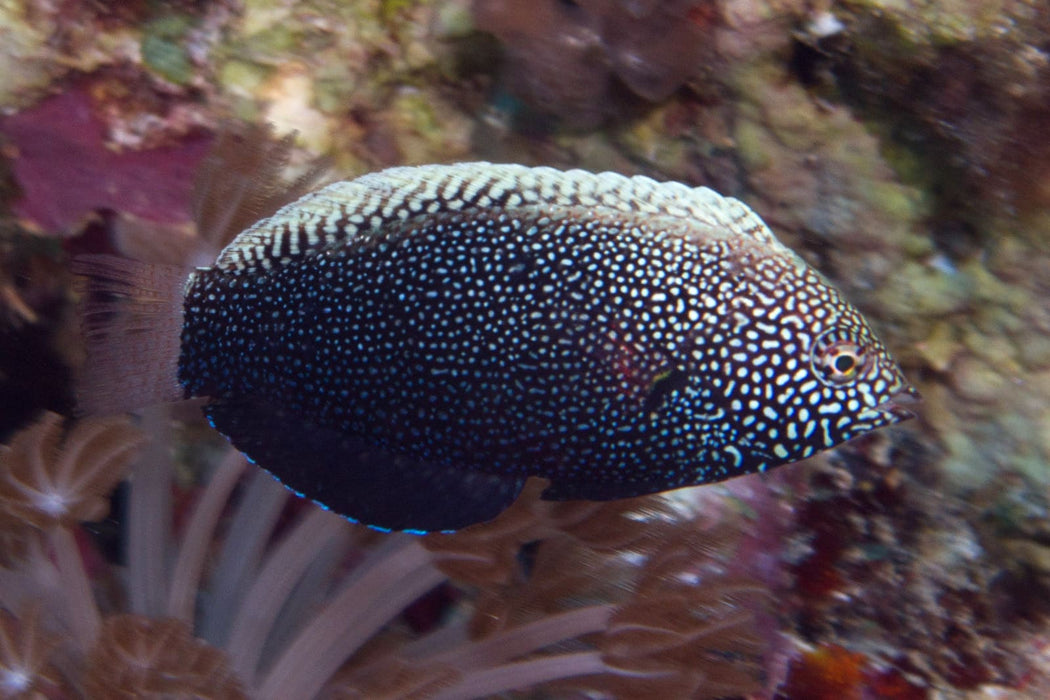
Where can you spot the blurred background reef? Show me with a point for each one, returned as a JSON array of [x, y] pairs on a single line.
[[898, 146]]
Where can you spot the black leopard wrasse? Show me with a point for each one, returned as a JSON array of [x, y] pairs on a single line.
[[408, 347]]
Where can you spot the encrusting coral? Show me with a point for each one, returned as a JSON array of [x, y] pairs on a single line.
[[260, 594], [574, 59]]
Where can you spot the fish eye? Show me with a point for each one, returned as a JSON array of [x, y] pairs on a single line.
[[838, 358], [844, 363]]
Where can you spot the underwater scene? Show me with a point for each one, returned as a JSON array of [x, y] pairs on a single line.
[[567, 349]]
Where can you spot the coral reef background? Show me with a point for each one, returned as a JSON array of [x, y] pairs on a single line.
[[899, 146]]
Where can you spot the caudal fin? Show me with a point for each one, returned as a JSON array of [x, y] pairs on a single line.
[[132, 311], [131, 317]]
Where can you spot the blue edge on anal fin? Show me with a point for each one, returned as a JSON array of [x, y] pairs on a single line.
[[352, 477]]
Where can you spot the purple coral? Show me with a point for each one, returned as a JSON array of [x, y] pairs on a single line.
[[66, 170]]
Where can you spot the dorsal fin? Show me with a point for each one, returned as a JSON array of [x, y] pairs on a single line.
[[354, 207]]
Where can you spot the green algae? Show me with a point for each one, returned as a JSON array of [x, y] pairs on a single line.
[[243, 78], [453, 21], [818, 171], [915, 289], [391, 10], [1034, 353], [269, 44], [164, 48], [427, 129], [938, 22], [24, 52]]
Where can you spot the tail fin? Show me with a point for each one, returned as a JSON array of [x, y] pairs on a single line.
[[132, 311], [131, 318]]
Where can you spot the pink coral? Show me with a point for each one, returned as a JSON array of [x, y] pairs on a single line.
[[66, 171]]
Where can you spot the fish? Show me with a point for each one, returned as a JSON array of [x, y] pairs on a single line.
[[408, 347]]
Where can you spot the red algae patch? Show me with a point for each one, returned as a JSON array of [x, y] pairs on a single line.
[[66, 171]]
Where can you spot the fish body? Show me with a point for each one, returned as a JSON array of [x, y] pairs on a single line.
[[408, 347]]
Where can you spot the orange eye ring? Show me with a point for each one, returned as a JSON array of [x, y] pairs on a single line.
[[843, 360], [837, 358]]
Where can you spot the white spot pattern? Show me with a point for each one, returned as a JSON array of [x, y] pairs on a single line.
[[617, 335]]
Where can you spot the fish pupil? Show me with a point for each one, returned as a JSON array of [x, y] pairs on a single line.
[[844, 364]]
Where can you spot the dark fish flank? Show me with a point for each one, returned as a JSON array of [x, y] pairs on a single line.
[[616, 335]]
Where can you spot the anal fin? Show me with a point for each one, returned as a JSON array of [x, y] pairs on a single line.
[[351, 476]]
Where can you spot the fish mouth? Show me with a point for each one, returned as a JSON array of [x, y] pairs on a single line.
[[897, 405]]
